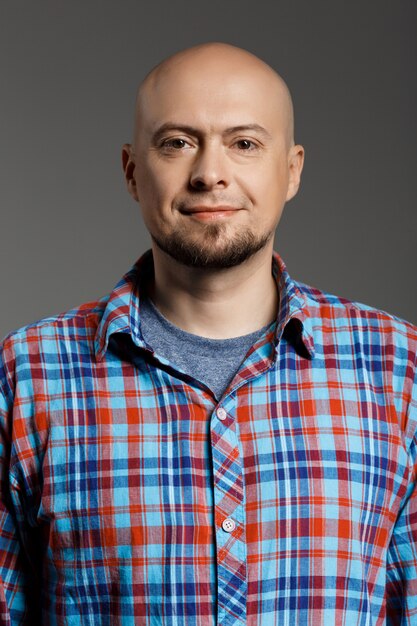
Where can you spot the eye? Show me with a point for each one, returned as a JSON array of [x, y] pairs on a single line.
[[174, 144], [246, 144]]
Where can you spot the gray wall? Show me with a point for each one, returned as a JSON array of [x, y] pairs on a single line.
[[69, 72]]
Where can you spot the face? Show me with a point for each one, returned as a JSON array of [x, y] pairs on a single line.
[[211, 164]]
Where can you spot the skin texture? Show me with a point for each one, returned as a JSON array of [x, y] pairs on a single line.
[[213, 129]]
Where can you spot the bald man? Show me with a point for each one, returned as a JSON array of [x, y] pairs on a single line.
[[213, 443]]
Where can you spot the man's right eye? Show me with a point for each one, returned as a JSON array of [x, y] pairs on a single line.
[[175, 143]]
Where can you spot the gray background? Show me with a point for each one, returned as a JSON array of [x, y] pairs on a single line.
[[69, 72]]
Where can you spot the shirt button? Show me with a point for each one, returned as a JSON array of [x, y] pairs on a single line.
[[221, 414], [228, 525]]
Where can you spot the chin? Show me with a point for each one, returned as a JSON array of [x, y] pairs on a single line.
[[208, 255]]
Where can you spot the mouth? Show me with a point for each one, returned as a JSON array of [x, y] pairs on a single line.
[[207, 213]]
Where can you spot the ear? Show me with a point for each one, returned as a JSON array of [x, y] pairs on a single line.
[[129, 165], [295, 167]]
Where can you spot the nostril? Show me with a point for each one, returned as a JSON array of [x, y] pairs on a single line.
[[206, 182], [198, 183]]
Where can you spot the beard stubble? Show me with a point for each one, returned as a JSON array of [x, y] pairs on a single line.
[[209, 254]]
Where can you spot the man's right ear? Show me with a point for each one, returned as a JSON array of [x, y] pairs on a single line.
[[128, 160]]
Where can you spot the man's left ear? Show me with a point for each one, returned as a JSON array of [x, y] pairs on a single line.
[[295, 166]]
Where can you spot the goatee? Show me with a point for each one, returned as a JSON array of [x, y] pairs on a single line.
[[211, 255]]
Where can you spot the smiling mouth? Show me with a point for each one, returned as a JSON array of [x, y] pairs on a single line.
[[210, 213]]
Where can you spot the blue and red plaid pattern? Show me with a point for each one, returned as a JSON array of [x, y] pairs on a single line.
[[128, 497]]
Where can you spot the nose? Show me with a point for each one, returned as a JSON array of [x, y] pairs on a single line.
[[209, 168]]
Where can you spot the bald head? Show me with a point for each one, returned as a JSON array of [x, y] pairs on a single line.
[[213, 160], [208, 68]]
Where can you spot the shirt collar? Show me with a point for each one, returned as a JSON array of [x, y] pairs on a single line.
[[293, 320], [122, 311]]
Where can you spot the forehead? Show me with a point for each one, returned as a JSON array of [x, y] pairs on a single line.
[[215, 96]]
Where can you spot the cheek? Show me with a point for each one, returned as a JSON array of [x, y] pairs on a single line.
[[269, 186], [279, 181], [159, 180], [157, 189], [152, 188], [269, 191]]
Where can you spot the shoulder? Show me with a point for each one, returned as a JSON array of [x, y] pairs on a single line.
[[333, 310], [46, 338], [371, 338], [376, 348], [86, 315]]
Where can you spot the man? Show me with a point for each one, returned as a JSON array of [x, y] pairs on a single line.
[[213, 443]]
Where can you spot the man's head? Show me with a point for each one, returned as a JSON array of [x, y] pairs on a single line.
[[214, 128]]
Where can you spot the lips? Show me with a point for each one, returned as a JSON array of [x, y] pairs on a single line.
[[210, 209], [210, 213]]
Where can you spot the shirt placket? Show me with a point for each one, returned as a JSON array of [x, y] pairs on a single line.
[[229, 517]]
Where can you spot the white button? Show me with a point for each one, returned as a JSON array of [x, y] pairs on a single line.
[[221, 414], [228, 525]]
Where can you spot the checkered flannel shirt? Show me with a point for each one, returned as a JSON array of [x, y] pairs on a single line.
[[130, 496]]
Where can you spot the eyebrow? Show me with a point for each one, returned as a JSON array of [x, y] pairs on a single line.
[[191, 130]]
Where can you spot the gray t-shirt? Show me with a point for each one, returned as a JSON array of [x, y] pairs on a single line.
[[212, 361]]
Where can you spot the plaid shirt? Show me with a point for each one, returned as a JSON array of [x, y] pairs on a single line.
[[130, 496]]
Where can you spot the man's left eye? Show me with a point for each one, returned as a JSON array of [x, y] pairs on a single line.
[[246, 144]]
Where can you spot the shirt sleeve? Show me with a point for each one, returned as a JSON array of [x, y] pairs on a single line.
[[401, 585], [17, 581]]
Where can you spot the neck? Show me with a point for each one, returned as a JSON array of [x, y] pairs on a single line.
[[218, 304]]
